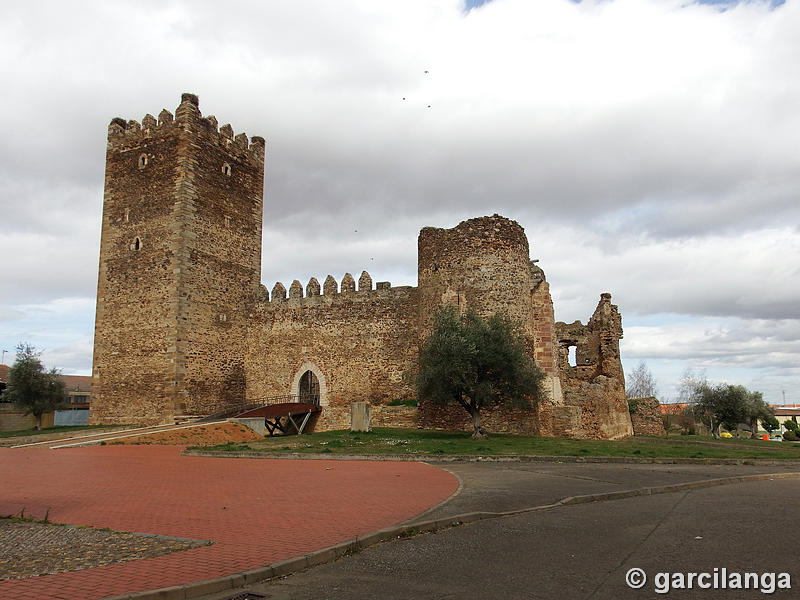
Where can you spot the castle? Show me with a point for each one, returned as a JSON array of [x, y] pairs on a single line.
[[184, 325]]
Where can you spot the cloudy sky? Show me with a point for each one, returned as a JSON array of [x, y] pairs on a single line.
[[648, 147]]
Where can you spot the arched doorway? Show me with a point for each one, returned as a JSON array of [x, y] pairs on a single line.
[[308, 390]]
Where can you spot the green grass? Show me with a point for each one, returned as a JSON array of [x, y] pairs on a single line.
[[415, 441], [46, 430]]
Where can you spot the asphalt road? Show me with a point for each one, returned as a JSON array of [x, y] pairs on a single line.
[[579, 551]]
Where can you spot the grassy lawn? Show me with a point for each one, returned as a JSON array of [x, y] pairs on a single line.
[[59, 429], [415, 441]]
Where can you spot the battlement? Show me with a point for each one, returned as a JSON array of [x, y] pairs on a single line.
[[187, 118], [299, 296]]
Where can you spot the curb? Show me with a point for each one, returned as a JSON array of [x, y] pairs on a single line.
[[441, 458], [332, 553], [46, 438]]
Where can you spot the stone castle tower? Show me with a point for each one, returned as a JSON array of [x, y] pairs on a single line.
[[180, 261]]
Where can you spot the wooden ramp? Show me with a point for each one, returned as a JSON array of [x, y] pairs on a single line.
[[287, 418]]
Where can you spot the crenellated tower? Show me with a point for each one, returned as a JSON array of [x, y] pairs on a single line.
[[180, 261]]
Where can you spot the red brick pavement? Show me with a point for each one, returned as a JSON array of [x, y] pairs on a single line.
[[256, 511]]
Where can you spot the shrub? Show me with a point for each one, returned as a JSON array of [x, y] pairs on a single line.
[[401, 402]]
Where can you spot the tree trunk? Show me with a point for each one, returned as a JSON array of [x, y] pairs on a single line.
[[38, 422], [478, 433]]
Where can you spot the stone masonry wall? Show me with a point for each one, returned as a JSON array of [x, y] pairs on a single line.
[[481, 263], [360, 345], [222, 268], [646, 416]]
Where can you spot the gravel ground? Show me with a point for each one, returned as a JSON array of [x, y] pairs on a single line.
[[28, 549]]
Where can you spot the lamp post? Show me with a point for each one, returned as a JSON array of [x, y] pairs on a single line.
[[3, 361]]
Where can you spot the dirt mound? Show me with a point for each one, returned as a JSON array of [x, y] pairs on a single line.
[[201, 435]]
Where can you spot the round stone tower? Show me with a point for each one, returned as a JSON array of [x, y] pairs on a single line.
[[482, 264]]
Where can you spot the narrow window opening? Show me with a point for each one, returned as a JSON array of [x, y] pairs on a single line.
[[227, 221], [142, 161], [137, 244], [226, 169], [572, 356]]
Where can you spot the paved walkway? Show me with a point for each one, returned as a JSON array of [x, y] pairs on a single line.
[[256, 511], [573, 551], [508, 486], [580, 552]]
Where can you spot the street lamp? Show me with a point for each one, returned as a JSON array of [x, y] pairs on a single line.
[[3, 361]]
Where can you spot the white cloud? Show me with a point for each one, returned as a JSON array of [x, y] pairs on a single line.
[[753, 274], [648, 146]]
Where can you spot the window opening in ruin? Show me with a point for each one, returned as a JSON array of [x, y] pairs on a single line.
[[142, 161], [226, 169], [572, 356], [309, 388], [137, 244]]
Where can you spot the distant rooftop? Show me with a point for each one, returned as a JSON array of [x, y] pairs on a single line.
[[74, 383]]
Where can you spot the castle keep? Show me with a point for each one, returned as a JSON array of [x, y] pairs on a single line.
[[184, 325]]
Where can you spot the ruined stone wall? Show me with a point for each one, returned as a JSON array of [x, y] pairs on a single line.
[[361, 345], [546, 350], [484, 264], [594, 389], [169, 265], [646, 416]]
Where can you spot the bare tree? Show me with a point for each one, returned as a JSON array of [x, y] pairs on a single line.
[[641, 383]]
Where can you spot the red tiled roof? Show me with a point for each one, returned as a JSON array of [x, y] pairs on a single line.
[[74, 383], [77, 383], [673, 409]]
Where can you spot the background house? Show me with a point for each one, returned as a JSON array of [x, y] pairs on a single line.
[[75, 412]]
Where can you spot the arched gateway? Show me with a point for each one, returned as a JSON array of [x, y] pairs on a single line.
[[308, 392], [309, 385]]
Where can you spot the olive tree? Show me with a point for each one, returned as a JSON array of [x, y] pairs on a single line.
[[727, 405], [475, 362], [31, 387]]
